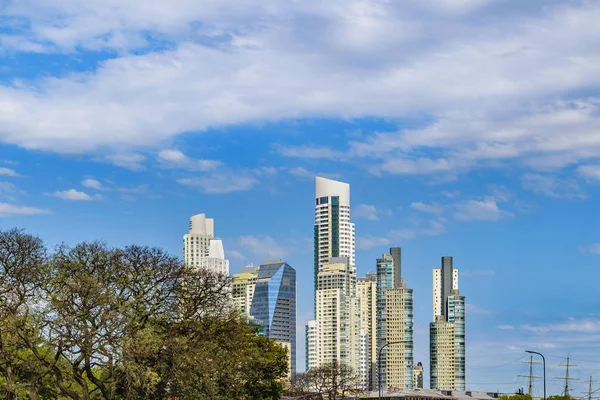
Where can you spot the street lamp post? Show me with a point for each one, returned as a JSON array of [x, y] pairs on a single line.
[[379, 365], [544, 361]]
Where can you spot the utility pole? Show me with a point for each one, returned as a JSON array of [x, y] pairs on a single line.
[[590, 392], [531, 377], [567, 378]]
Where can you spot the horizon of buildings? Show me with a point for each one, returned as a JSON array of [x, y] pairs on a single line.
[[356, 319]]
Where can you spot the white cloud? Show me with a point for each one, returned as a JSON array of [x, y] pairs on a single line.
[[307, 151], [477, 310], [264, 246], [176, 159], [92, 184], [131, 161], [369, 242], [301, 172], [427, 208], [434, 228], [506, 327], [552, 186], [593, 248], [590, 172], [74, 195], [8, 191], [365, 211], [7, 210], [480, 210], [8, 172], [383, 59], [221, 182], [573, 325], [235, 254]]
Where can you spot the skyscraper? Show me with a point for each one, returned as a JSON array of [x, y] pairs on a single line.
[[243, 285], [333, 231], [395, 322], [274, 303], [447, 331], [418, 376], [337, 316], [311, 345], [201, 249], [366, 290]]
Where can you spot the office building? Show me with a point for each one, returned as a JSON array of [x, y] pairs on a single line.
[[311, 345], [447, 331], [201, 249], [418, 376], [243, 285], [337, 319], [333, 231], [274, 303], [400, 330], [366, 291], [395, 322]]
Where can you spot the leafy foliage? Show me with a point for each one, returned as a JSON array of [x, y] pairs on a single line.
[[95, 322]]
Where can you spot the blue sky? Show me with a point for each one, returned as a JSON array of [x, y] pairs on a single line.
[[468, 128]]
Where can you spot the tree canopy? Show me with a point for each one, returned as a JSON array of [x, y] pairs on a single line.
[[95, 322]]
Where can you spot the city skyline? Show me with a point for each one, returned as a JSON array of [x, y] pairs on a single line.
[[466, 128]]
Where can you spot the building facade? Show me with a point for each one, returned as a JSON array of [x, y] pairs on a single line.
[[201, 249], [243, 285], [366, 290], [399, 330], [274, 303], [333, 231], [337, 309], [395, 322], [448, 330], [311, 345], [418, 376], [336, 314]]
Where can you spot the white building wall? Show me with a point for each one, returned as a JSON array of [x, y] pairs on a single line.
[[437, 292], [311, 345], [201, 249]]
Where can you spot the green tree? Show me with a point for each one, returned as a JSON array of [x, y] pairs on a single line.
[[95, 322], [517, 397]]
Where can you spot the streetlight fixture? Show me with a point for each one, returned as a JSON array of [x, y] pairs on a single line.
[[544, 361], [379, 365]]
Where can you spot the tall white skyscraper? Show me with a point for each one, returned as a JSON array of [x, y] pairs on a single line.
[[337, 309], [200, 247], [311, 345], [333, 232], [447, 331]]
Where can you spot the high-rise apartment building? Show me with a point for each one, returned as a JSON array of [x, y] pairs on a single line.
[[395, 322], [447, 331], [333, 231], [273, 304], [399, 329], [201, 249], [243, 285], [337, 310], [337, 316], [418, 376], [366, 291], [311, 345]]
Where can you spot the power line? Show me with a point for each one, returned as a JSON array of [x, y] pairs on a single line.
[[567, 378]]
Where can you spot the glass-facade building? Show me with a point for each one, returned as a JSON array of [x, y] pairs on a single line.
[[274, 304], [456, 315]]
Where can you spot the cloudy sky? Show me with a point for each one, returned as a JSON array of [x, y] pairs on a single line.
[[465, 127]]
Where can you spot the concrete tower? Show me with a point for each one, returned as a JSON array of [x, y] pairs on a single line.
[[201, 249]]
